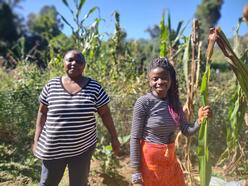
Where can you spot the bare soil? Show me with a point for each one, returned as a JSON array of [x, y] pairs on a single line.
[[121, 178]]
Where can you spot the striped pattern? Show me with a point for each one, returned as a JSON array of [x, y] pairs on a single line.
[[152, 122], [70, 128]]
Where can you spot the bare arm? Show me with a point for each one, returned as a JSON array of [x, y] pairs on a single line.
[[40, 122], [108, 122], [203, 113]]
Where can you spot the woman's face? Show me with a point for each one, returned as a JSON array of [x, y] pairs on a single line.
[[74, 64], [159, 81]]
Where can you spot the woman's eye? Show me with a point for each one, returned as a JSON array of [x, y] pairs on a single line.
[[70, 60], [161, 78], [165, 78]]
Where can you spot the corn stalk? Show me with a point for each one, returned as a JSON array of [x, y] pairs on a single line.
[[191, 78], [240, 69], [169, 39], [202, 150], [86, 37], [234, 151]]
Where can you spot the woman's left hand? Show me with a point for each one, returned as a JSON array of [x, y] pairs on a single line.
[[203, 113], [115, 146]]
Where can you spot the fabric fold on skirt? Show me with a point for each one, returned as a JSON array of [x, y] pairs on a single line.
[[160, 166]]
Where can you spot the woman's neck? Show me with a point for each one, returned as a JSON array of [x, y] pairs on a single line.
[[74, 79], [163, 97]]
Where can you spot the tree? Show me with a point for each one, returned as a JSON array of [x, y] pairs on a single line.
[[42, 28], [208, 13], [8, 28], [154, 32], [46, 23]]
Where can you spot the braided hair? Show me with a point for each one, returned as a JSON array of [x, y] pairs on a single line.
[[172, 95]]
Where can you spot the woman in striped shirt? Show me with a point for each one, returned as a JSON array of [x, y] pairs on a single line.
[[65, 132], [156, 116]]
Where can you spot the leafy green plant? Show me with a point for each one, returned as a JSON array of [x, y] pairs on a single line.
[[239, 68], [237, 111], [202, 150], [104, 154], [169, 39], [85, 37], [234, 152]]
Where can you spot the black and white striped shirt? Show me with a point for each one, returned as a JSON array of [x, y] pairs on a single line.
[[70, 127], [153, 122]]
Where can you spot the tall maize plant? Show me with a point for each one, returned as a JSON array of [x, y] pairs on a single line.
[[191, 78], [86, 38], [164, 35], [202, 150], [169, 39], [234, 151], [240, 70]]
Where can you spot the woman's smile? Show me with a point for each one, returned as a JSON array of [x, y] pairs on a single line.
[[159, 81]]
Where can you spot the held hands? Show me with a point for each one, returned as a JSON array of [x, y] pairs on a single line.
[[204, 113], [115, 146]]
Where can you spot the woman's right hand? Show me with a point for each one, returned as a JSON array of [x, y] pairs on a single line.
[[136, 177], [34, 146], [204, 113]]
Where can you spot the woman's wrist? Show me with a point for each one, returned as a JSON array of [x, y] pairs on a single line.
[[136, 178], [114, 138], [35, 141], [199, 121]]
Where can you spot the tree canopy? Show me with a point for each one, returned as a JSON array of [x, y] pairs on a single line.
[[208, 12]]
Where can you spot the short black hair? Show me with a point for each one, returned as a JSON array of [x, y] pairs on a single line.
[[82, 58]]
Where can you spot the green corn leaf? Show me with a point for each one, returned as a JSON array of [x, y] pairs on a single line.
[[179, 27], [236, 117], [65, 3], [169, 28], [91, 11], [63, 18], [239, 68], [81, 5], [202, 150], [163, 38], [169, 22], [204, 85], [179, 34]]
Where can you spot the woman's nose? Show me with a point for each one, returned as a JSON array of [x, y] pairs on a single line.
[[160, 80], [73, 62]]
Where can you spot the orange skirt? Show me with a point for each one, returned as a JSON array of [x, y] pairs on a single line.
[[159, 166]]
